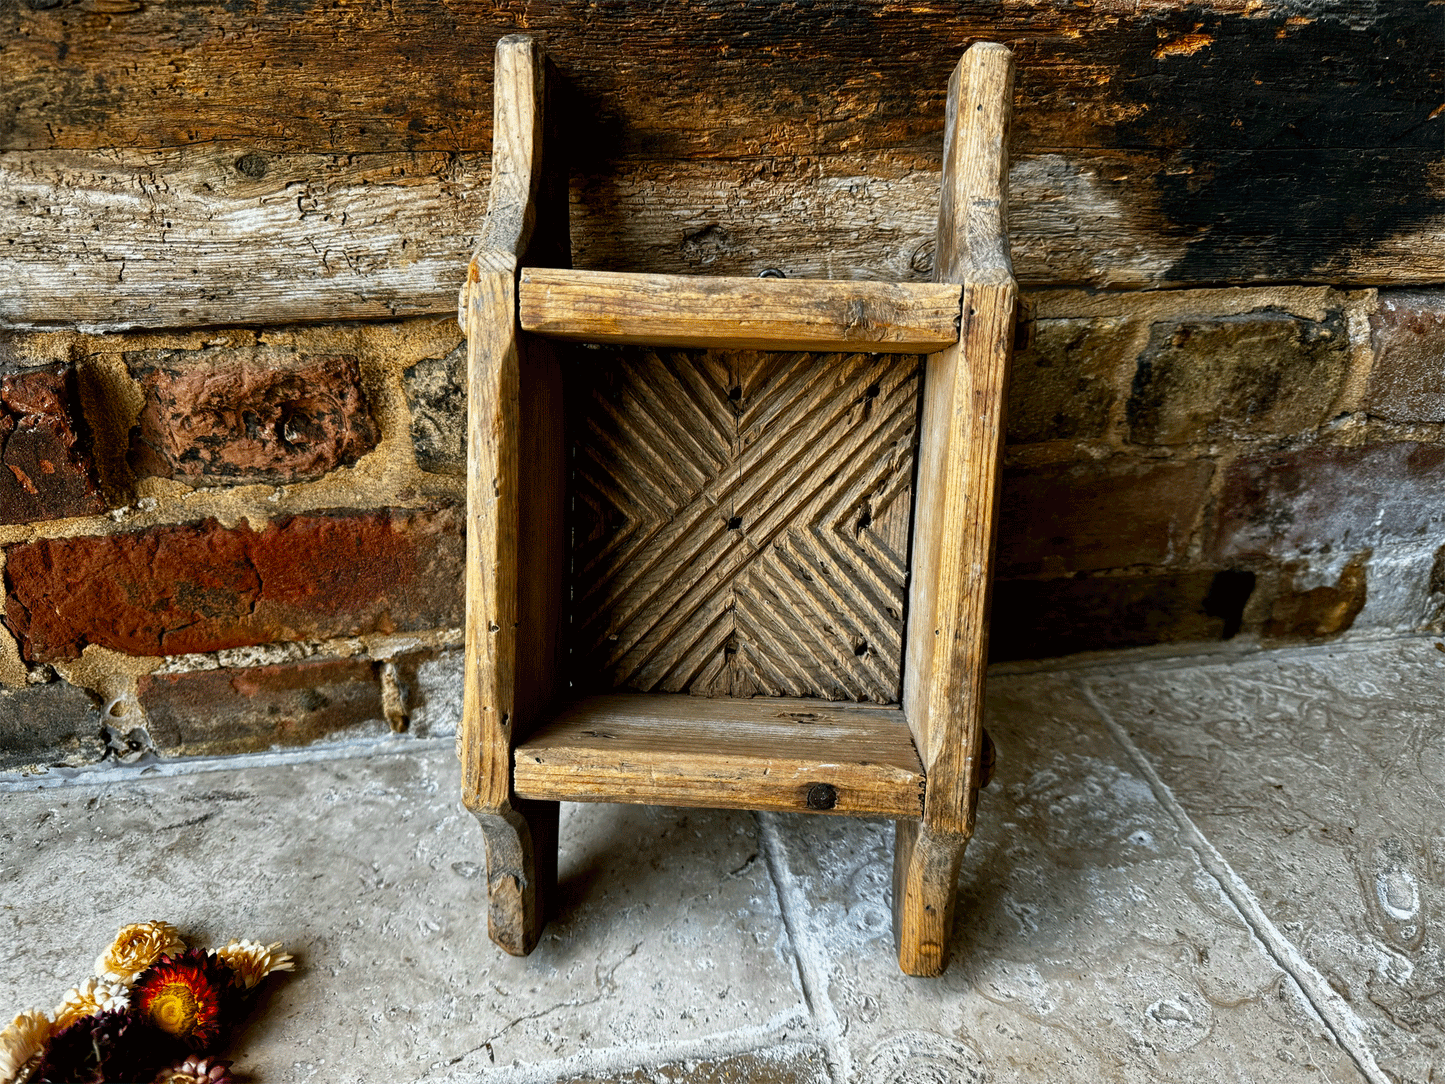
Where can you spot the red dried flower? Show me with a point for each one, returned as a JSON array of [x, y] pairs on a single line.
[[184, 997]]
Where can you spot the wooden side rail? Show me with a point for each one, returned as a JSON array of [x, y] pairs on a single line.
[[739, 313]]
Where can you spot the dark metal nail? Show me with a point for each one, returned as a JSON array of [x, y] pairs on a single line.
[[822, 796]]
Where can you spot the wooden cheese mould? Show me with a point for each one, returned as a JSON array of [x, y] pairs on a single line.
[[728, 539]]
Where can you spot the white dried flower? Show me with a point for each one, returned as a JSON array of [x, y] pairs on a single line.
[[253, 961], [21, 1041], [91, 997], [136, 947]]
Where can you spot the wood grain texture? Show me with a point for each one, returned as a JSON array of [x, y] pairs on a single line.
[[925, 888], [960, 440], [278, 75], [786, 754], [183, 237], [299, 162], [741, 521], [514, 515], [738, 313]]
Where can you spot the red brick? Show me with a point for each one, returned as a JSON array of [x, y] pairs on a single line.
[[1328, 498], [202, 587], [248, 416], [1407, 381], [1094, 516], [212, 712], [45, 467]]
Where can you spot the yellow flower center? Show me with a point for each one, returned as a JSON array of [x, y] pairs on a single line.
[[174, 1009]]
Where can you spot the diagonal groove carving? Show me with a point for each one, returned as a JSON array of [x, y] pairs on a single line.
[[740, 521]]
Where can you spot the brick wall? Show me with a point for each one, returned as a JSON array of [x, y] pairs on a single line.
[[228, 540], [232, 540], [1204, 464]]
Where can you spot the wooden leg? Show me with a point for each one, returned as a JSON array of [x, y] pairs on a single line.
[[521, 872], [925, 884]]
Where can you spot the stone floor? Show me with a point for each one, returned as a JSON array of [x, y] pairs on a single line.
[[1225, 867]]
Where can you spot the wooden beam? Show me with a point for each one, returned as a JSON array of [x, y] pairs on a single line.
[[738, 313], [414, 77], [795, 755], [183, 238]]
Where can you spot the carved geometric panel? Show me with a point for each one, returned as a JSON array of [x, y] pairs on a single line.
[[740, 521]]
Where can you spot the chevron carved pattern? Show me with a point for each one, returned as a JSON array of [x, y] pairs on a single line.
[[740, 521]]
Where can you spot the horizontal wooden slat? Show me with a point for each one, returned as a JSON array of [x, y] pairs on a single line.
[[739, 313], [760, 753], [186, 237]]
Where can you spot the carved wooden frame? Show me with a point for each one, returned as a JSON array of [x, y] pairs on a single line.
[[523, 749]]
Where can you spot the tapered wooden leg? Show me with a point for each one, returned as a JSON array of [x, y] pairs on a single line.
[[521, 872], [925, 884]]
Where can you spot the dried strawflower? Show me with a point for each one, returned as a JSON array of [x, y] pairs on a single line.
[[136, 947], [91, 997], [184, 996], [252, 961], [196, 1070], [21, 1041], [111, 1046]]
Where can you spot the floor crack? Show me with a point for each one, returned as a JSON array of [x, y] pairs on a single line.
[[1334, 1012], [812, 967]]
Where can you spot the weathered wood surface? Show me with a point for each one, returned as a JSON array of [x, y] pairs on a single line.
[[514, 515], [740, 521], [960, 441], [955, 507], [307, 162], [280, 75], [738, 313], [763, 753], [186, 237], [925, 890]]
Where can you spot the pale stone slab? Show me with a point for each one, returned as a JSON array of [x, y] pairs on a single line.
[[1319, 774], [1091, 945], [669, 940]]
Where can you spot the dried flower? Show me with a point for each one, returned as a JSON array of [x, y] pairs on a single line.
[[252, 961], [183, 996], [111, 1046], [21, 1041], [196, 1070], [136, 947], [91, 997]]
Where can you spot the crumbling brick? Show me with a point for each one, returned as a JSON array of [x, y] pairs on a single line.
[[220, 417], [46, 470], [203, 587], [54, 723], [1062, 387], [1035, 619], [1407, 380], [245, 710]]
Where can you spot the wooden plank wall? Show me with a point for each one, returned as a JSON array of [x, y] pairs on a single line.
[[176, 164]]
